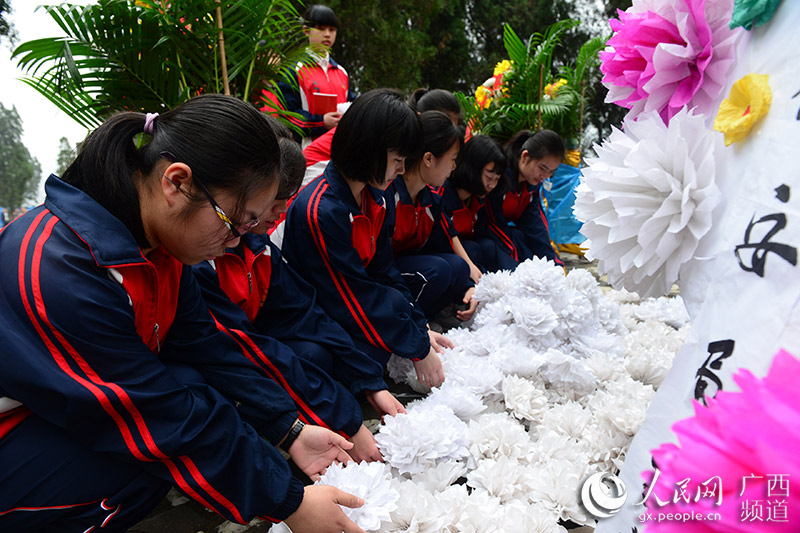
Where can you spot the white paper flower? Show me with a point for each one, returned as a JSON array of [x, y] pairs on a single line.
[[497, 435], [478, 513], [605, 367], [440, 476], [503, 478], [418, 511], [494, 286], [524, 398], [647, 200], [564, 370], [570, 419], [554, 485], [671, 311], [534, 315], [477, 374], [517, 359], [622, 405], [521, 517], [370, 481], [418, 440], [539, 277], [462, 401]]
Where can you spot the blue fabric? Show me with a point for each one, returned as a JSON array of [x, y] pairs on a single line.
[[564, 227], [435, 280], [66, 486]]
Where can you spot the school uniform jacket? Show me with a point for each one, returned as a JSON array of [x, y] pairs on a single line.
[[521, 206], [312, 78], [421, 226], [343, 250], [263, 294], [88, 323], [464, 215]]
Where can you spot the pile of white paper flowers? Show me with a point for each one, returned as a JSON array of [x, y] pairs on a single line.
[[548, 385]]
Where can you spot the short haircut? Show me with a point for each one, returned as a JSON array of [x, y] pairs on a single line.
[[435, 100], [541, 144], [377, 122], [476, 154], [318, 15], [439, 134]]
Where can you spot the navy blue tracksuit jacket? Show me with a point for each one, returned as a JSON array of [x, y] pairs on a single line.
[[90, 329], [344, 252]]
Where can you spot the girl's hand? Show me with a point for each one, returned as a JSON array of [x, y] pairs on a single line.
[[319, 512], [316, 448], [364, 447], [473, 304], [384, 403], [439, 342], [429, 370], [474, 272]]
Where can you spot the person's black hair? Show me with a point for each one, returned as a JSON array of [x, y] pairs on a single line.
[[541, 144], [439, 134], [476, 154], [318, 15], [293, 168], [435, 100], [378, 121], [226, 142], [293, 162]]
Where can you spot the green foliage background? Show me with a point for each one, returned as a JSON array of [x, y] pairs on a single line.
[[19, 172]]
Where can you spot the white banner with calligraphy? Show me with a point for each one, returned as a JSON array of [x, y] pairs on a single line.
[[744, 293]]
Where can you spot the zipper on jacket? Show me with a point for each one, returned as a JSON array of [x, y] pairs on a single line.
[[158, 340], [250, 281]]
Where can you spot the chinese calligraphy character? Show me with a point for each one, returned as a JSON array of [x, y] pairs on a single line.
[[752, 510], [650, 491], [704, 373], [782, 193], [777, 485], [744, 481], [777, 511], [798, 111], [704, 490], [763, 247]]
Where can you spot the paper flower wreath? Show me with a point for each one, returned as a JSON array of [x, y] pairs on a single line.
[[646, 200]]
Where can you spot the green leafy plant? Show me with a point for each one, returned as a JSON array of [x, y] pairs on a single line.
[[151, 55], [530, 96]]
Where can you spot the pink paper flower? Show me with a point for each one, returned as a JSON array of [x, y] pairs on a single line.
[[665, 54], [747, 444]]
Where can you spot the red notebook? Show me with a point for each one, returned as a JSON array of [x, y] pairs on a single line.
[[324, 103]]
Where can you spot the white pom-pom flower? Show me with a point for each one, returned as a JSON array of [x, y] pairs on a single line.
[[503, 478], [419, 511], [463, 402], [647, 199], [525, 398], [372, 483], [418, 440], [497, 435]]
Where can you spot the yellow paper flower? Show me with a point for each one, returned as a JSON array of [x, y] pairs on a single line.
[[501, 67], [483, 96], [748, 101]]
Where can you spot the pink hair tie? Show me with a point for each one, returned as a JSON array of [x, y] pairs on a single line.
[[149, 119]]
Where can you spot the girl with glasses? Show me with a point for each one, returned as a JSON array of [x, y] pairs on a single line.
[[115, 383], [513, 216], [338, 236]]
